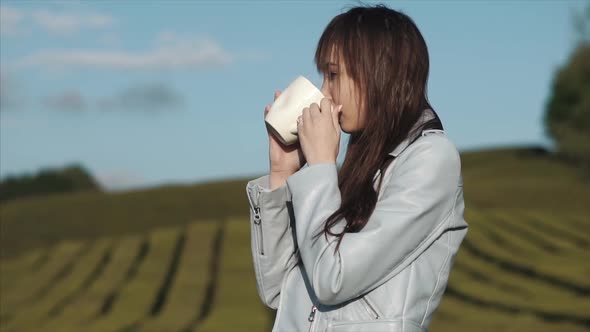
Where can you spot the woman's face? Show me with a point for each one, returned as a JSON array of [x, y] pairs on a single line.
[[342, 90]]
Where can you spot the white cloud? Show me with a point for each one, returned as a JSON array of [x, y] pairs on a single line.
[[175, 54], [71, 100], [10, 19], [139, 97], [14, 21], [146, 97], [71, 22], [65, 3]]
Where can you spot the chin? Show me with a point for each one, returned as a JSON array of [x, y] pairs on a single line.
[[347, 128], [344, 128]]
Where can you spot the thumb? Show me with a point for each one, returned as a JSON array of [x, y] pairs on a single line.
[[336, 116]]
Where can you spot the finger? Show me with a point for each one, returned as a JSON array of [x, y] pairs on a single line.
[[266, 109], [336, 117], [314, 109], [277, 94], [326, 106], [306, 115], [295, 129]]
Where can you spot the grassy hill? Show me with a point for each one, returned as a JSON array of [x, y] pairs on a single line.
[[177, 258]]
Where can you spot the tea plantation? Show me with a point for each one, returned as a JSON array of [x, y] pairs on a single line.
[[178, 258]]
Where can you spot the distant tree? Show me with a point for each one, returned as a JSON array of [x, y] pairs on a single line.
[[581, 21], [567, 117], [47, 181]]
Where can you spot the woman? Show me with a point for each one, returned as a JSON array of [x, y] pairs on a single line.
[[368, 247]]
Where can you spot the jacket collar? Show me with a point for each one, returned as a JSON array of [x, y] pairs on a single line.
[[426, 116]]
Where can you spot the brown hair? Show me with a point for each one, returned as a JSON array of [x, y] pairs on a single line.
[[387, 58]]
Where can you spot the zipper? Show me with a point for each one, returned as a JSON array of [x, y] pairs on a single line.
[[257, 221], [258, 225], [311, 317], [370, 308]]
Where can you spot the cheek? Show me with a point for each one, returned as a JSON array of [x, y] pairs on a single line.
[[334, 95], [351, 120], [337, 94]]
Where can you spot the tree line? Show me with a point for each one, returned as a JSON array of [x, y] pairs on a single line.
[[48, 181]]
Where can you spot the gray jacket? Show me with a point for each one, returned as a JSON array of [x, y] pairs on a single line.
[[391, 275]]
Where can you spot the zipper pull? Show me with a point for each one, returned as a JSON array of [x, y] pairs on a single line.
[[258, 221], [312, 313], [255, 203], [257, 215]]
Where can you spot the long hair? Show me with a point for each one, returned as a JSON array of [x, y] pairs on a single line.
[[387, 58]]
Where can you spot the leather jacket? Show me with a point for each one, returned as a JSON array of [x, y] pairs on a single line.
[[389, 276]]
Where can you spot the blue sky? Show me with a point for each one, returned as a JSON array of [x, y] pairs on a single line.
[[150, 93]]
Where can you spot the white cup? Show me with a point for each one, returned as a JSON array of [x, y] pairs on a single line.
[[282, 116]]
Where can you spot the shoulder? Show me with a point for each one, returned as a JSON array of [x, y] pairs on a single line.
[[432, 156], [432, 147]]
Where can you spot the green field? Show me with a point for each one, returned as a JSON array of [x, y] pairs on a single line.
[[178, 258]]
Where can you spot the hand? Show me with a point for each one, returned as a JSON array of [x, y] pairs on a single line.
[[319, 132], [284, 160]]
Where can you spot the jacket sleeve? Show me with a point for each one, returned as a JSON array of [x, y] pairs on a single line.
[[272, 240], [408, 217]]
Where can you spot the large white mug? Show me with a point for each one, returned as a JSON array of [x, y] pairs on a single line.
[[281, 119]]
